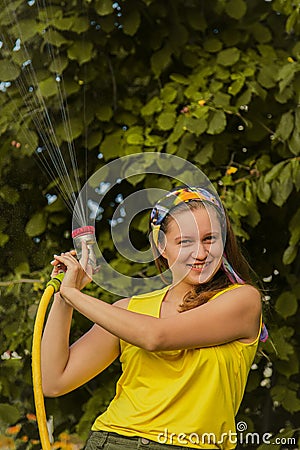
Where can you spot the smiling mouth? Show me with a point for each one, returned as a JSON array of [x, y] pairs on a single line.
[[198, 266]]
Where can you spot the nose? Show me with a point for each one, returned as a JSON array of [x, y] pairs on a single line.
[[200, 251]]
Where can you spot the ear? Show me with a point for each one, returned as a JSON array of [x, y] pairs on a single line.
[[162, 249]]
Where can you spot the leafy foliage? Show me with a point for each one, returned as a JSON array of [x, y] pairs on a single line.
[[216, 83]]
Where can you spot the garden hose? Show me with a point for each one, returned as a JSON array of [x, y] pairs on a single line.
[[52, 287]]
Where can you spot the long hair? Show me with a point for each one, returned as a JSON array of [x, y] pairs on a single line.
[[202, 292]]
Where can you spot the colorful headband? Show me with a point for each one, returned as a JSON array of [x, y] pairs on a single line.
[[184, 195], [174, 198]]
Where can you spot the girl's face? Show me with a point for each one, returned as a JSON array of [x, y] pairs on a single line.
[[193, 245]]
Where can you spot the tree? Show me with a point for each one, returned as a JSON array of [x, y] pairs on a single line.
[[216, 83]]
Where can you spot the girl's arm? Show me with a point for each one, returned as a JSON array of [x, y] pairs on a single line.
[[234, 315], [64, 368]]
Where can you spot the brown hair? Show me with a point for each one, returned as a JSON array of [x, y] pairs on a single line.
[[201, 293]]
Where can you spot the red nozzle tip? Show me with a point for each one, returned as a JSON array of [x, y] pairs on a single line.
[[83, 230]]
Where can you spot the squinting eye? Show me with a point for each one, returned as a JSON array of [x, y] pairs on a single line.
[[185, 241], [210, 238]]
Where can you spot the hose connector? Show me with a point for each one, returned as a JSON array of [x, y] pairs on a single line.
[[56, 281]]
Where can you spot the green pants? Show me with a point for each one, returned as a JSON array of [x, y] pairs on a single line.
[[113, 441]]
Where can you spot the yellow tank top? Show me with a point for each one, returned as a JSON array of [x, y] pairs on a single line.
[[182, 397]]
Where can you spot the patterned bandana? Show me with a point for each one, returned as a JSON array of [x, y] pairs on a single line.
[[174, 198], [184, 195]]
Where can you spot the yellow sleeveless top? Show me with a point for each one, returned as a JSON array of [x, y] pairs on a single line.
[[183, 397]]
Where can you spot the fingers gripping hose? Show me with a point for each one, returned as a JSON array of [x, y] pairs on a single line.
[[52, 286]]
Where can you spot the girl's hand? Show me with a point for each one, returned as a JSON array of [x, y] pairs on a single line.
[[77, 274]]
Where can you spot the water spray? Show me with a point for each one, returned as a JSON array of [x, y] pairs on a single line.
[[84, 234]]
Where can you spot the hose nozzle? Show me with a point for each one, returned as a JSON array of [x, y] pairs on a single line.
[[56, 281]]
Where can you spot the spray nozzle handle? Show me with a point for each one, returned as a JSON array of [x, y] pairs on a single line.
[[56, 281]]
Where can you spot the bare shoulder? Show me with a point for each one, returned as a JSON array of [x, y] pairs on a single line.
[[122, 303], [247, 295]]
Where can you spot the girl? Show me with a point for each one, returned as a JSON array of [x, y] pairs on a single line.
[[185, 350]]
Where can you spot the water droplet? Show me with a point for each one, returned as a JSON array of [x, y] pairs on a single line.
[[244, 149], [119, 198], [100, 155], [269, 116], [36, 240], [241, 127], [26, 63], [51, 198], [58, 79], [17, 45], [1, 44], [98, 27], [276, 272], [30, 89], [31, 2], [264, 250], [216, 31], [268, 279]]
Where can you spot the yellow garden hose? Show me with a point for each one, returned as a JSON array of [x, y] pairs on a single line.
[[52, 287]]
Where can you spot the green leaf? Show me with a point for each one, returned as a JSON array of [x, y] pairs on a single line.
[[266, 76], [9, 194], [94, 138], [81, 51], [135, 139], [286, 304], [241, 208], [236, 86], [153, 106], [236, 9], [212, 45], [55, 38], [80, 24], [4, 238], [289, 254], [8, 71], [104, 7], [291, 402], [166, 120], [291, 21], [104, 113], [8, 414], [285, 75], [179, 78], [217, 123], [168, 94], [160, 60], [285, 126], [58, 65], [205, 154], [272, 174], [264, 190], [131, 22], [294, 142], [65, 23], [282, 187], [228, 57], [36, 225], [70, 130], [280, 339], [196, 126], [261, 33], [48, 87]]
